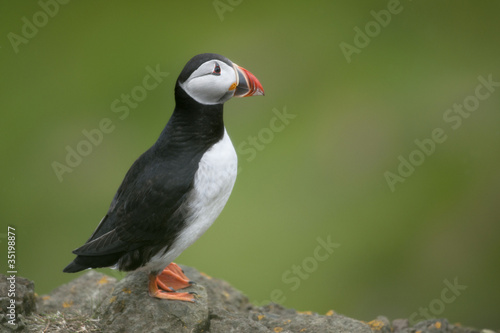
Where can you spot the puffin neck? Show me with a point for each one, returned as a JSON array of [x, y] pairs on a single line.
[[192, 124]]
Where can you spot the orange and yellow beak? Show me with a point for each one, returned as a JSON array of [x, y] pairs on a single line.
[[246, 83]]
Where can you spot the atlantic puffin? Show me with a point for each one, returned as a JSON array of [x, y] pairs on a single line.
[[175, 190]]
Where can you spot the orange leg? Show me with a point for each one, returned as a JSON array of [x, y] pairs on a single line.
[[173, 278], [165, 284]]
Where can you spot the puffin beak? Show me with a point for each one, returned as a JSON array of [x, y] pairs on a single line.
[[246, 83]]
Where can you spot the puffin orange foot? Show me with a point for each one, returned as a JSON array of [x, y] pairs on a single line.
[[172, 278], [165, 284]]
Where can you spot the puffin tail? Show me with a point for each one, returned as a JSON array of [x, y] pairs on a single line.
[[74, 267]]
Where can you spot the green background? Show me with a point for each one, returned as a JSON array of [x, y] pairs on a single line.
[[321, 175]]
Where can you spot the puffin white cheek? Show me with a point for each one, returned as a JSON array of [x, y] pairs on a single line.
[[207, 89]]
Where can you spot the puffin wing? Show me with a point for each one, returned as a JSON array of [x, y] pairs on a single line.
[[147, 208]]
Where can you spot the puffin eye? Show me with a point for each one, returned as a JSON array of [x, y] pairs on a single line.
[[216, 70]]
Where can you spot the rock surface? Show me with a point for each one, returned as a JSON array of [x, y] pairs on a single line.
[[84, 294], [95, 302], [25, 303], [129, 308]]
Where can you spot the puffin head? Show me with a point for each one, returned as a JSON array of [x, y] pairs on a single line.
[[210, 79]]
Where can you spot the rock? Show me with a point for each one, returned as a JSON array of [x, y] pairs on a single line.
[[24, 294], [95, 302], [437, 326], [129, 308], [218, 308], [25, 304], [381, 324], [400, 324], [279, 319], [228, 308], [84, 294]]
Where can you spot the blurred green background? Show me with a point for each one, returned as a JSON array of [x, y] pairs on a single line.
[[322, 174]]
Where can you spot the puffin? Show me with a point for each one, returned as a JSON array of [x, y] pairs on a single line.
[[175, 190]]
